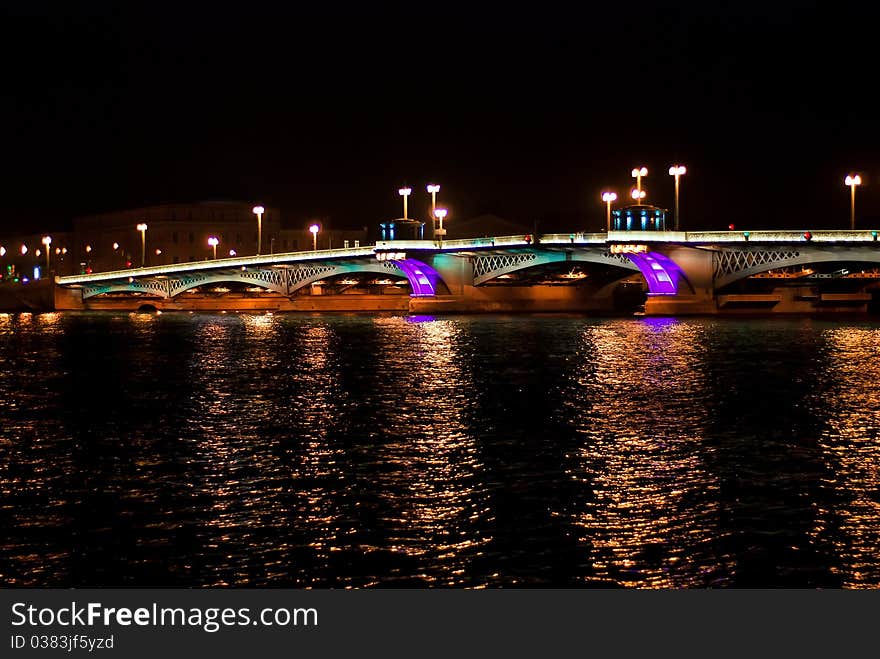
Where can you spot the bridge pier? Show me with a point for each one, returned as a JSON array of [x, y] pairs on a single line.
[[695, 292]]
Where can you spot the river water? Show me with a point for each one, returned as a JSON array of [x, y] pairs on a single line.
[[186, 450]]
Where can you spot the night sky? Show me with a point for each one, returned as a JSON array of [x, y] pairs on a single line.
[[527, 111]]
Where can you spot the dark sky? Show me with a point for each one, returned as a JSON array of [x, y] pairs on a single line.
[[527, 111]]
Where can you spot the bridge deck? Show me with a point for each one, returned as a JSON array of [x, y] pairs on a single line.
[[476, 244]]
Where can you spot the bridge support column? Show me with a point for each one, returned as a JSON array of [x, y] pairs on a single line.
[[696, 294]]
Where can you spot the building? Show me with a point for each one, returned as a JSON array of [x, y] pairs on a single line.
[[174, 233]]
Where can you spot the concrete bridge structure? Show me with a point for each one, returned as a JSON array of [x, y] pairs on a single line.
[[673, 272]]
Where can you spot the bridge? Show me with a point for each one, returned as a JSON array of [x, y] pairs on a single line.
[[677, 273]]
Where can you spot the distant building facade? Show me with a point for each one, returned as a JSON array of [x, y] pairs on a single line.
[[175, 233]]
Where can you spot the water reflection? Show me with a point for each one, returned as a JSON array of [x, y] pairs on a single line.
[[637, 399], [427, 462], [850, 401], [289, 450]]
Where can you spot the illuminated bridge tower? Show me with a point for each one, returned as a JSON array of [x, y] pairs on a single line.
[[639, 217]]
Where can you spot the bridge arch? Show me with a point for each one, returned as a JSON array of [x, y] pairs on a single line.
[[285, 281], [487, 267], [730, 266]]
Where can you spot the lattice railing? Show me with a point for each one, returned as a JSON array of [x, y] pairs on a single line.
[[728, 262], [180, 284], [485, 265], [306, 273], [153, 286], [621, 259]]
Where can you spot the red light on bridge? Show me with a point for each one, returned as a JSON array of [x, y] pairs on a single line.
[[730, 227], [808, 235]]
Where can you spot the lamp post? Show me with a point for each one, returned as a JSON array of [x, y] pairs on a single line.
[[47, 240], [677, 171], [637, 174], [441, 214], [852, 180], [258, 211], [213, 241], [638, 195], [433, 189], [143, 229], [314, 228], [608, 197], [405, 193]]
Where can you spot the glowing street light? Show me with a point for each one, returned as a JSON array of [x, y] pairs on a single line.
[[23, 249], [2, 250], [608, 197], [405, 193], [258, 211], [143, 229], [441, 214], [232, 252], [47, 240], [852, 180], [88, 249], [314, 229], [637, 174], [677, 171], [433, 189], [638, 195], [213, 241]]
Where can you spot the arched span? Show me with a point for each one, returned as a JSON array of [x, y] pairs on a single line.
[[491, 266], [660, 272], [285, 281], [733, 265]]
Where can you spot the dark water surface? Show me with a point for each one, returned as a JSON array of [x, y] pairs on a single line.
[[351, 451]]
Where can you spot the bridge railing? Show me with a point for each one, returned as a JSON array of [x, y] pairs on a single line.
[[777, 236], [278, 259]]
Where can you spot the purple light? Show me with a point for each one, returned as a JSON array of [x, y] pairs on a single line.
[[661, 272], [422, 277]]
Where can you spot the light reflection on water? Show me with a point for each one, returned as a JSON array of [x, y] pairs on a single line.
[[850, 400], [638, 401], [351, 451]]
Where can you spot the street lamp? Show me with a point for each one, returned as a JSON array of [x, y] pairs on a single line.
[[405, 193], [852, 180], [23, 249], [258, 211], [47, 240], [143, 229], [232, 252], [638, 195], [314, 229], [637, 174], [433, 189], [441, 214], [677, 171], [2, 250], [608, 197], [213, 241]]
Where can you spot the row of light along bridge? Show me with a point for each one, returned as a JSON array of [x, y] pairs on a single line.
[[680, 272]]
